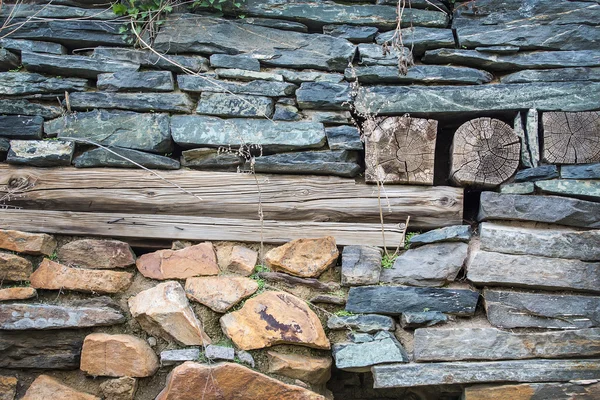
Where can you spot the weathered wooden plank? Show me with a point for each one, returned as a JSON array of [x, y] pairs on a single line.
[[229, 195], [193, 228], [534, 391]]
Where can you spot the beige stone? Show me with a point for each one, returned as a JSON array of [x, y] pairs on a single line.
[[45, 388], [17, 293], [307, 258], [242, 261], [8, 387], [54, 276], [14, 268], [219, 293], [119, 389], [274, 318], [117, 355], [227, 381], [315, 370], [164, 311], [28, 243], [198, 260], [102, 254]]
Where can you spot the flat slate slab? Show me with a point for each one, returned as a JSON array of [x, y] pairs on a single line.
[[134, 81], [25, 107], [103, 158], [361, 265], [394, 300], [454, 233], [368, 323], [178, 356], [78, 66], [33, 46], [581, 189], [537, 173], [421, 39], [337, 162], [509, 309], [23, 83], [41, 153], [566, 96], [324, 96], [377, 74], [235, 105], [517, 188], [41, 350], [201, 84], [148, 59], [545, 241], [143, 102], [462, 344], [360, 356], [419, 319], [553, 75], [242, 61], [490, 268], [21, 127], [549, 209], [414, 374], [344, 137], [585, 171]]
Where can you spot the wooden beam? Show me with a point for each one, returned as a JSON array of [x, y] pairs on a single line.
[[228, 195], [193, 228]]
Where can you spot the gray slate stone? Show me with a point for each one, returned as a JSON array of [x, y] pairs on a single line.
[[429, 265], [103, 158], [187, 34], [585, 171], [308, 76], [133, 81], [454, 233], [421, 39], [239, 61], [79, 66], [395, 300], [509, 309], [499, 49], [378, 74], [144, 102], [537, 174], [19, 45], [190, 83], [25, 107], [361, 265], [344, 138], [286, 113], [40, 153], [54, 11], [8, 60], [41, 350], [521, 270], [202, 131], [228, 105], [419, 319], [178, 356], [374, 54], [509, 62], [517, 188], [532, 144], [465, 344], [359, 357], [4, 146], [277, 24], [148, 59], [336, 162], [99, 312], [355, 34], [206, 158], [392, 100], [519, 129], [356, 337], [245, 357], [324, 96], [420, 374], [247, 76], [369, 323], [23, 83], [21, 127], [553, 75], [213, 352], [147, 132], [549, 209], [329, 117], [581, 189]]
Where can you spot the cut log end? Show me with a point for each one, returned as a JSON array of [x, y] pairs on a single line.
[[571, 137]]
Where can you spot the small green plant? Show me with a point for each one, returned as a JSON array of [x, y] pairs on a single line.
[[260, 281], [407, 238], [53, 256], [387, 261], [343, 313], [261, 268], [145, 16], [20, 67], [219, 6]]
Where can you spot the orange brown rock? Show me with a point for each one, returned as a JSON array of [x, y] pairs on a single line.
[[164, 311], [14, 267], [219, 293], [102, 254], [225, 381], [28, 243], [45, 388], [310, 369], [242, 261], [307, 258], [274, 318], [54, 276], [8, 387], [198, 260], [117, 355], [17, 293]]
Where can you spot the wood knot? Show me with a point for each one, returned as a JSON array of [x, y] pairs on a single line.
[[20, 183]]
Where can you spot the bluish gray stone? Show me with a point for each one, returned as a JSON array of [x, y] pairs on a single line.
[[420, 319], [368, 323], [103, 158], [537, 174], [324, 96], [177, 356], [147, 132], [214, 352], [395, 300], [359, 357], [377, 74], [517, 188], [553, 75], [4, 146], [144, 102], [329, 117], [344, 137], [239, 61], [23, 83], [8, 60], [54, 11], [361, 265], [33, 46], [203, 131], [247, 76], [276, 24], [308, 76], [21, 126], [245, 357], [148, 59], [191, 83], [25, 107], [356, 337], [585, 171], [580, 189], [206, 158], [235, 105], [337, 162], [79, 66], [286, 113], [374, 54], [498, 49], [133, 81], [454, 233], [421, 39], [40, 153], [355, 34]]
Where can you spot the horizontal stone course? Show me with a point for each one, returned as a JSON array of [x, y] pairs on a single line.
[[24, 83], [78, 66], [143, 102]]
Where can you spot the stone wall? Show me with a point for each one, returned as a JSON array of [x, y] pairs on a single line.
[[501, 98]]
